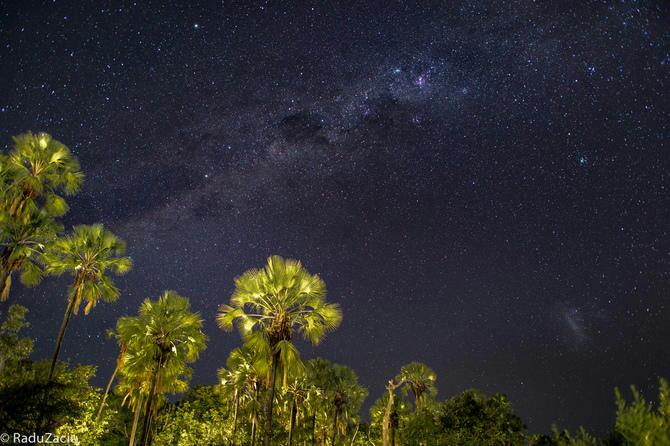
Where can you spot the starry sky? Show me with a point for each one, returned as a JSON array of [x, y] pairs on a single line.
[[483, 186]]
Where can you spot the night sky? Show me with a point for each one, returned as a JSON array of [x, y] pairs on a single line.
[[483, 186]]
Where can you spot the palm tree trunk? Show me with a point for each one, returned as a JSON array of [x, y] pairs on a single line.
[[386, 422], [136, 419], [61, 333], [144, 441], [337, 412], [237, 407], [7, 269], [59, 342], [294, 411], [254, 426], [104, 397], [5, 282], [267, 434], [314, 428]]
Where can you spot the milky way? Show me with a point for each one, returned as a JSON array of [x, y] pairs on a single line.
[[483, 187]]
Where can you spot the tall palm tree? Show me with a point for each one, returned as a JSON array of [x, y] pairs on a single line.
[[340, 391], [296, 391], [133, 394], [32, 175], [164, 337], [243, 381], [380, 414], [419, 381], [312, 405], [389, 421], [347, 398], [88, 254], [120, 359], [269, 305], [135, 382], [318, 373], [232, 389]]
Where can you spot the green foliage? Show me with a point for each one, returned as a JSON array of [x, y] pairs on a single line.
[[70, 407], [199, 419], [13, 347], [84, 424], [422, 428], [473, 419], [640, 423], [120, 420], [564, 438]]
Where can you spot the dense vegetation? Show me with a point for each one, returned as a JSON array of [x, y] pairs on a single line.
[[264, 393]]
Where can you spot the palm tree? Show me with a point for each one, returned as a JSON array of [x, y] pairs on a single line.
[[318, 376], [160, 342], [339, 390], [269, 305], [296, 391], [379, 415], [21, 245], [131, 389], [243, 379], [120, 359], [420, 382], [134, 385], [312, 405], [88, 254], [347, 398], [35, 172], [231, 388], [389, 421], [32, 176]]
